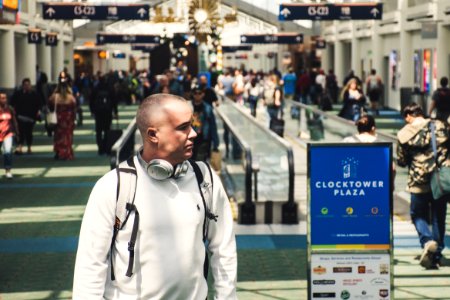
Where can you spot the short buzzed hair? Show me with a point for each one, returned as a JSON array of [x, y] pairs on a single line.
[[152, 104]]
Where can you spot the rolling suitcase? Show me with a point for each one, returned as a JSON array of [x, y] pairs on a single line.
[[112, 136], [277, 126]]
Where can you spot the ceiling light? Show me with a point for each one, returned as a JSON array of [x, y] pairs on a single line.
[[200, 15]]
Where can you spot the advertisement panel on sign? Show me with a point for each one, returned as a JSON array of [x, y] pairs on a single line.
[[350, 276], [351, 202], [11, 4]]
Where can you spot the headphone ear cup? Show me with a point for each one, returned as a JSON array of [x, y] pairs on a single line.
[[159, 169], [180, 169]]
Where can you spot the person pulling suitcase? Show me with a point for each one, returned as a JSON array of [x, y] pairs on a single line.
[[104, 108]]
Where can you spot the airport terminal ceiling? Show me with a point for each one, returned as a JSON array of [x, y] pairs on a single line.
[[252, 17]]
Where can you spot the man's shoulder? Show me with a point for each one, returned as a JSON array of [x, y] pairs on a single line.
[[108, 179]]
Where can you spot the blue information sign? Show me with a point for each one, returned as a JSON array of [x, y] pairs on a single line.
[[72, 11], [110, 38], [280, 38], [344, 11], [350, 196]]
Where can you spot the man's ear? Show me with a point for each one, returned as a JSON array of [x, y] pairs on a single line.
[[151, 135]]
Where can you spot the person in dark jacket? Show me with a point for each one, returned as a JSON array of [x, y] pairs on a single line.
[[353, 101], [103, 107], [26, 103], [415, 151], [441, 101], [204, 124]]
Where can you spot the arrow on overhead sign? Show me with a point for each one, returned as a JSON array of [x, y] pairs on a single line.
[[285, 12], [375, 12], [50, 11], [142, 12], [243, 39]]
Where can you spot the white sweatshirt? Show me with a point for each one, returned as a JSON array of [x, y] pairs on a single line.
[[169, 252]]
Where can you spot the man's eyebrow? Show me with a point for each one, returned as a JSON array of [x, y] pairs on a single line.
[[182, 125]]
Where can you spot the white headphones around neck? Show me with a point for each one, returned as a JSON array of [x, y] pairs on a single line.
[[161, 169]]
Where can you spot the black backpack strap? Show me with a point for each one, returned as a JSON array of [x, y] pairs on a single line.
[[131, 207], [207, 203], [208, 214], [126, 192]]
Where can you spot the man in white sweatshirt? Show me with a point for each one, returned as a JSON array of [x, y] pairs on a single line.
[[169, 250]]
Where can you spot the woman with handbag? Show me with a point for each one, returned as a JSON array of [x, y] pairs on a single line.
[[415, 151], [8, 130], [64, 104]]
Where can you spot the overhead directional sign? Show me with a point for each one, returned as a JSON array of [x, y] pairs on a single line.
[[278, 38], [34, 36], [231, 49], [344, 11], [143, 47], [72, 11], [51, 39], [109, 38], [320, 44]]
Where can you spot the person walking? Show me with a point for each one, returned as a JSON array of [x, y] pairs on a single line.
[[8, 129], [27, 104], [65, 105], [169, 252], [253, 92], [415, 151], [104, 108], [441, 101], [353, 101], [374, 87], [273, 97], [289, 82], [210, 94], [204, 124]]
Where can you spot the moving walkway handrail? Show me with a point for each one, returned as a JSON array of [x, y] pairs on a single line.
[[247, 153], [278, 139], [385, 136], [124, 146]]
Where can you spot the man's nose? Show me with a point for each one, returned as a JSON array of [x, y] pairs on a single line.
[[192, 133]]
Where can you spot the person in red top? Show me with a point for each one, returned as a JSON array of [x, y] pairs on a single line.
[[65, 104], [8, 128]]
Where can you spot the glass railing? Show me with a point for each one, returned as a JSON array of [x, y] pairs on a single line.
[[272, 158], [124, 147], [314, 125]]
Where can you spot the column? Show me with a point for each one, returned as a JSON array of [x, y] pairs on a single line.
[[68, 58], [442, 51], [29, 67], [325, 58], [377, 50], [356, 53], [339, 61], [25, 60], [7, 59], [58, 60], [44, 59], [406, 52]]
